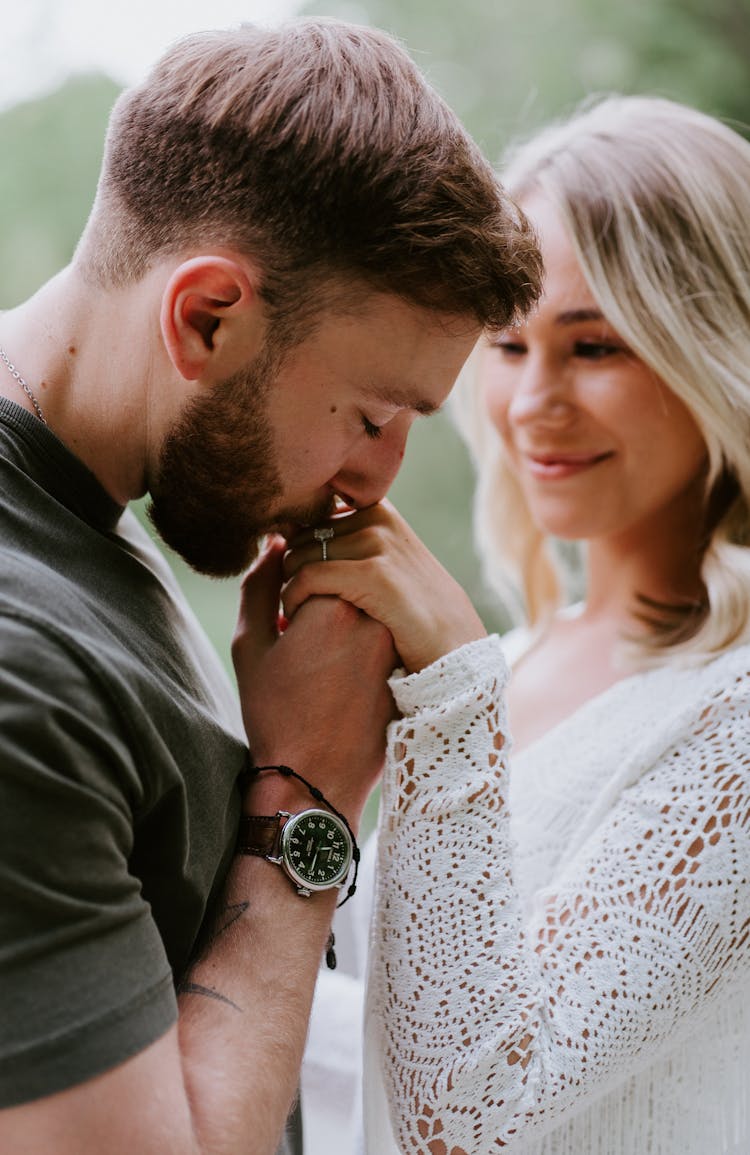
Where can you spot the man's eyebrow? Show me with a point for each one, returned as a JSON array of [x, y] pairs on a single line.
[[575, 316], [403, 398]]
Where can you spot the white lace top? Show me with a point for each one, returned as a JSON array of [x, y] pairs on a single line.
[[560, 959]]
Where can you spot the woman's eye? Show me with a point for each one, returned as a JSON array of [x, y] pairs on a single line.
[[595, 350], [371, 429]]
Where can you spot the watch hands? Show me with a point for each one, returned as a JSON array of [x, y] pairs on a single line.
[[320, 850]]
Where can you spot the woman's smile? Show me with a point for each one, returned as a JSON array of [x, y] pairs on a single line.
[[559, 466]]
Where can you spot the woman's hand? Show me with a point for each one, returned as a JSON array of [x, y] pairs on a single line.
[[377, 563]]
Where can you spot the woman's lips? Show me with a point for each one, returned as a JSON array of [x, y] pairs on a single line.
[[556, 466]]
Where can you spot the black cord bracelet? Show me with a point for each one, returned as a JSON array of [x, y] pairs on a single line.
[[288, 772]]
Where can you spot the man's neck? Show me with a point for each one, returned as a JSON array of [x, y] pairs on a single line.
[[74, 346]]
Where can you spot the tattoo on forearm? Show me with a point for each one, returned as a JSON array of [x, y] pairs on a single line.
[[214, 928], [227, 916], [188, 988], [224, 919]]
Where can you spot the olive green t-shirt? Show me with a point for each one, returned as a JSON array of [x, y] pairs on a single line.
[[120, 749]]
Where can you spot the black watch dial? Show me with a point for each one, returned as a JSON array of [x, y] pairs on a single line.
[[316, 849]]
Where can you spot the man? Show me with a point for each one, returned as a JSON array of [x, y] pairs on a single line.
[[292, 250]]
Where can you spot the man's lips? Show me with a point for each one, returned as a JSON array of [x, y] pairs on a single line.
[[556, 466]]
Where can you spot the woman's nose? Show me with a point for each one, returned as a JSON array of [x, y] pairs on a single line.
[[541, 394]]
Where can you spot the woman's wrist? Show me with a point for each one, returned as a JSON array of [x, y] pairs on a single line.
[[477, 662]]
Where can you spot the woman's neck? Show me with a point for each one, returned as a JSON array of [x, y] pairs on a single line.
[[666, 569], [577, 657]]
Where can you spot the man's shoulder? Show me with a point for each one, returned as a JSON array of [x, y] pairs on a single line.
[[36, 599], [39, 648]]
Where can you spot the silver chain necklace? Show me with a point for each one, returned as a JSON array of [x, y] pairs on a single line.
[[24, 385]]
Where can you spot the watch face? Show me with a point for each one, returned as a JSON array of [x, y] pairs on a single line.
[[316, 849]]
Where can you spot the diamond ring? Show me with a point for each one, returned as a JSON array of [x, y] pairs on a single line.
[[323, 534]]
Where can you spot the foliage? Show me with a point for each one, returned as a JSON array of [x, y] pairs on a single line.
[[51, 151], [506, 67], [691, 50]]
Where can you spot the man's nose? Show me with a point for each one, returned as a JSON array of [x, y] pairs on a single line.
[[367, 475]]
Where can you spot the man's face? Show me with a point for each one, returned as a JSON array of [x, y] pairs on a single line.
[[272, 447]]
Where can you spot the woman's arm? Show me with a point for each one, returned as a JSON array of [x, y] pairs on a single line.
[[492, 1022]]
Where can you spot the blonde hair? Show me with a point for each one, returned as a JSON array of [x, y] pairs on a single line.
[[656, 199]]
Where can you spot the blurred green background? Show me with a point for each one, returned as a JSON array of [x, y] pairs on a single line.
[[506, 67]]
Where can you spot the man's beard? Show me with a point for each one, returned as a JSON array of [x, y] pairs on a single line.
[[217, 483]]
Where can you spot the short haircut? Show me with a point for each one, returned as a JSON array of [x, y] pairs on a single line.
[[655, 197], [319, 149]]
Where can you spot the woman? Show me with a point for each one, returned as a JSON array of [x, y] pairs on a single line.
[[561, 949]]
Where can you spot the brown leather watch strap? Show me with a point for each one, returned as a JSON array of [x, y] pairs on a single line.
[[258, 834]]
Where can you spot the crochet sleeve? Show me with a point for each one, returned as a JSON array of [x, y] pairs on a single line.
[[493, 1020]]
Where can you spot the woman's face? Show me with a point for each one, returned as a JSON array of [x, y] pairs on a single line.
[[600, 446]]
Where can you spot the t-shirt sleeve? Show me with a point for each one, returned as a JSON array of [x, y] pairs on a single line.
[[84, 978]]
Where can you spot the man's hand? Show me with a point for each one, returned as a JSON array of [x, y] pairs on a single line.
[[313, 696]]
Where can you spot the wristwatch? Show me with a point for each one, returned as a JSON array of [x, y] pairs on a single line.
[[314, 847]]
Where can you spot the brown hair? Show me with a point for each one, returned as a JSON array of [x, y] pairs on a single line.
[[318, 148]]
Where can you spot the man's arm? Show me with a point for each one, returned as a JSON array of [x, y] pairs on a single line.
[[224, 1078], [222, 1081]]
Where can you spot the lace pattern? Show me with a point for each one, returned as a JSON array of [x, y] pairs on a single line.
[[525, 1017]]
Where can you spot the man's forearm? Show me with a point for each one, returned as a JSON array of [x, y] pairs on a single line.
[[244, 1009], [223, 1079]]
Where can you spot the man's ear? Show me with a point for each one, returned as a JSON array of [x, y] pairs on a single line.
[[201, 302]]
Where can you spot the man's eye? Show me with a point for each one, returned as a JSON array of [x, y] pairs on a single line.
[[371, 429], [509, 348]]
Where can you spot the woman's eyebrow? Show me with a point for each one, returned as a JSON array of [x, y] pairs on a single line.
[[575, 316]]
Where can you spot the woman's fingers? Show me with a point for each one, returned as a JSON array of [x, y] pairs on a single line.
[[331, 579], [356, 535], [346, 523], [375, 562], [352, 547]]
